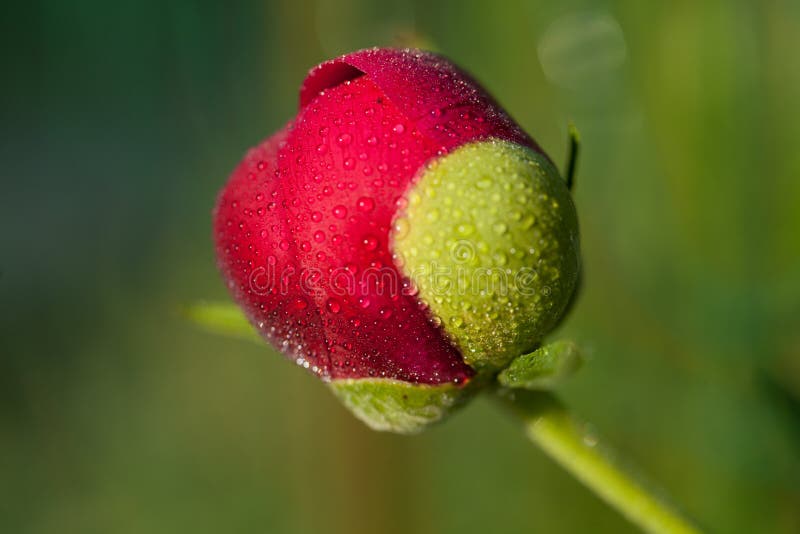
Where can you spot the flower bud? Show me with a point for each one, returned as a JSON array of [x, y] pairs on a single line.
[[402, 238]]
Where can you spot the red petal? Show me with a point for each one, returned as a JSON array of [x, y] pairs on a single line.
[[444, 103], [345, 167], [258, 258]]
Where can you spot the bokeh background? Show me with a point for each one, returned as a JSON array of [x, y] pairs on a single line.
[[120, 121]]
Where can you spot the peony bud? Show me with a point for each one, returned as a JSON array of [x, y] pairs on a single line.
[[402, 238]]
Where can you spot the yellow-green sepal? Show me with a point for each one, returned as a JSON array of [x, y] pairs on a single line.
[[489, 236], [544, 368], [396, 406]]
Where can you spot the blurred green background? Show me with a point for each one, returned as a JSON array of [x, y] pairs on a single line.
[[120, 121]]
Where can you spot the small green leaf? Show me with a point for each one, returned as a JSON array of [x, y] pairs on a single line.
[[223, 318], [543, 368]]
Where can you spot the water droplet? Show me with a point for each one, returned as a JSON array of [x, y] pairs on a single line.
[[372, 140], [365, 204], [500, 228], [316, 216], [300, 303], [284, 245], [385, 313], [340, 212], [344, 139], [363, 302], [319, 236], [465, 229], [399, 128], [410, 288], [370, 242], [349, 163], [333, 305], [527, 222], [401, 228]]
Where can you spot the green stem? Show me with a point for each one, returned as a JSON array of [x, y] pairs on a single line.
[[566, 440]]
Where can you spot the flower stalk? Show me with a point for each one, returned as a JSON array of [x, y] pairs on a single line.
[[568, 441]]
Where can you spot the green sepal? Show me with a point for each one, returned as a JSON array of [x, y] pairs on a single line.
[[223, 318], [396, 406], [544, 368], [489, 236]]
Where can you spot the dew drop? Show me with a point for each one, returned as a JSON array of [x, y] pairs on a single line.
[[465, 229], [500, 258], [527, 222], [333, 305], [340, 212], [432, 215], [344, 139], [319, 236], [399, 128], [365, 204], [370, 242], [484, 183], [401, 228]]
